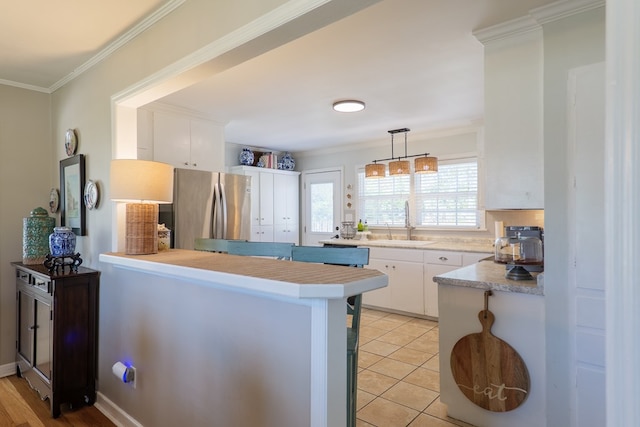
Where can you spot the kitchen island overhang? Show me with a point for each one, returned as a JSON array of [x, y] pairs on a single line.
[[281, 321]]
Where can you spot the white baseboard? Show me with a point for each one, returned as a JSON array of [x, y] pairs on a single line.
[[102, 404], [114, 412], [7, 369]]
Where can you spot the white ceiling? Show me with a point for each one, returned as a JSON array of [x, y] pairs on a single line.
[[415, 63]]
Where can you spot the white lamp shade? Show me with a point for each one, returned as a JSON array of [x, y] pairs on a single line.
[[141, 181]]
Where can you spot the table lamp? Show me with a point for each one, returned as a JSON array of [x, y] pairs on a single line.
[[142, 184]]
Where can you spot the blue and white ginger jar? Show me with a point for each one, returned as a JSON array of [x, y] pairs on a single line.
[[62, 242], [287, 162], [246, 157]]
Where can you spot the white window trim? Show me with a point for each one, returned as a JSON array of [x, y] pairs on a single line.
[[451, 158]]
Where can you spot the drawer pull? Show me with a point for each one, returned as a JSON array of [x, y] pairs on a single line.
[[443, 258]]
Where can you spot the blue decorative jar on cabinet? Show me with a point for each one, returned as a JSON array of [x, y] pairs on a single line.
[[246, 157], [62, 242], [287, 162]]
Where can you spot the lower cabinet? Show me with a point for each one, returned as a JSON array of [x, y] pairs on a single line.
[[405, 289], [262, 233], [411, 288], [441, 262], [56, 337]]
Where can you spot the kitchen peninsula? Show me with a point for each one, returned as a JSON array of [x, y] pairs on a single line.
[[240, 340], [518, 307]]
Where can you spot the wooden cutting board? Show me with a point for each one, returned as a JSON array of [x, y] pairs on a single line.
[[489, 371]]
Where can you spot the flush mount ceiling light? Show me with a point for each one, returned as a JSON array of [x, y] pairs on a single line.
[[348, 106], [399, 165]]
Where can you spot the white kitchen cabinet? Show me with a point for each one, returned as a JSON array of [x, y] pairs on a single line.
[[380, 298], [404, 267], [187, 142], [274, 204], [262, 233], [286, 208], [513, 117], [440, 262]]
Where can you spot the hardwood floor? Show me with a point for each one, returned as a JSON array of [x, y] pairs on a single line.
[[20, 406]]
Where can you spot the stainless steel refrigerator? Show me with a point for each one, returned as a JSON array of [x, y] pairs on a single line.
[[207, 204]]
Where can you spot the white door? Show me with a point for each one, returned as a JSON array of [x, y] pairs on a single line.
[[322, 208]]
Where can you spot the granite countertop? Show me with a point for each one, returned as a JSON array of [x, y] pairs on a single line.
[[490, 275], [442, 244]]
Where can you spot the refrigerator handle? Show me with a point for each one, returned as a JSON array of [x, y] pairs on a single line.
[[223, 205], [215, 217]]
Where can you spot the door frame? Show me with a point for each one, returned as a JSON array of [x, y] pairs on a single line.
[[305, 196]]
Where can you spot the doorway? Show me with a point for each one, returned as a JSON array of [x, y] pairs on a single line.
[[322, 193]]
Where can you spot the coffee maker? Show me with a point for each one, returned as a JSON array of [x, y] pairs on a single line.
[[521, 249]]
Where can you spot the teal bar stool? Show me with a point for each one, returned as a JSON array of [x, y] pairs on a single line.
[[352, 257], [276, 250], [211, 245]]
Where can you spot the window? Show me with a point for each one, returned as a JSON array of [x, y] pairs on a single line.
[[321, 207], [447, 199], [381, 200]]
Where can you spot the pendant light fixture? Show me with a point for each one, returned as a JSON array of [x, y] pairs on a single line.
[[374, 170], [426, 164], [400, 165]]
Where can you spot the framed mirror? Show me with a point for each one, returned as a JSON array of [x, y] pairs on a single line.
[[72, 209]]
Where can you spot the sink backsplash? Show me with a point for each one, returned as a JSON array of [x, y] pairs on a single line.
[[508, 217]]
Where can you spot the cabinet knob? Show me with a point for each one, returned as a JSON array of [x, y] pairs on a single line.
[[195, 164], [393, 266], [443, 258], [186, 163]]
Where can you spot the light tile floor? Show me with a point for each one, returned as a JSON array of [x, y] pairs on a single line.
[[398, 376]]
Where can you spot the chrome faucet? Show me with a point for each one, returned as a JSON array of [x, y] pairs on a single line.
[[388, 230], [407, 220]]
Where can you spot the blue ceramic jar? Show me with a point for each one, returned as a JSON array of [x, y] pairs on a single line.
[[62, 242], [246, 157], [287, 162]]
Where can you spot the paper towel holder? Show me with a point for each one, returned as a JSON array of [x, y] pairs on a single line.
[[126, 374]]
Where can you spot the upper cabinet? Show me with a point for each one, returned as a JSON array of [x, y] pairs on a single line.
[[513, 139], [181, 140]]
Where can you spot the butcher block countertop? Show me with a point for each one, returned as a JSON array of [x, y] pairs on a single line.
[[263, 275], [489, 275]]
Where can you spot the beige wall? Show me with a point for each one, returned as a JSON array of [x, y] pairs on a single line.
[[26, 176]]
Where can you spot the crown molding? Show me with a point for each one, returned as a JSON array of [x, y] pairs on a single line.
[[24, 86], [119, 42], [535, 18], [514, 27], [563, 9]]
